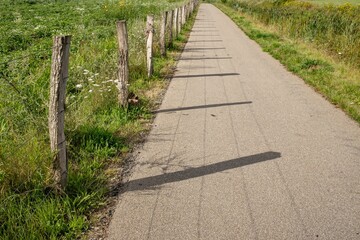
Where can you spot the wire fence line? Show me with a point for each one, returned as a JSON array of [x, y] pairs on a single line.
[[23, 98], [37, 54], [34, 108], [15, 83]]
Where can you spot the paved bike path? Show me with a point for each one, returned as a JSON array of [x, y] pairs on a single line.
[[241, 149]]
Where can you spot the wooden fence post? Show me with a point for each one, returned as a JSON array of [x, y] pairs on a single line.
[[171, 21], [123, 65], [176, 17], [162, 34], [58, 79], [187, 11], [149, 43], [179, 21], [183, 16]]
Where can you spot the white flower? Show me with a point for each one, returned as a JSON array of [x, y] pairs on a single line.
[[78, 86], [86, 71], [96, 85], [90, 91], [107, 81]]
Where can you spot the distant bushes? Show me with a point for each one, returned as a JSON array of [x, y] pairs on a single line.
[[335, 28]]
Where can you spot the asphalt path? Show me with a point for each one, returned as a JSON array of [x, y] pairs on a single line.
[[241, 149]]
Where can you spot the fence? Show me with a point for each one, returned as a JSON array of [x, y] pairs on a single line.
[[172, 21]]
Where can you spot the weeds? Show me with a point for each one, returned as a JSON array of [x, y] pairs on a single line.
[[334, 28], [98, 132]]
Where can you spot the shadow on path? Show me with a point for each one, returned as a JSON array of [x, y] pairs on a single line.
[[205, 58], [200, 49], [207, 75], [156, 181], [216, 40], [201, 106]]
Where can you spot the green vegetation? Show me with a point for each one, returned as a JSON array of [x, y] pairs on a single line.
[[308, 42], [311, 1], [98, 132], [333, 28], [334, 1]]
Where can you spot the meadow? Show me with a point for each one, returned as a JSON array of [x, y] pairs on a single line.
[[98, 132], [335, 1]]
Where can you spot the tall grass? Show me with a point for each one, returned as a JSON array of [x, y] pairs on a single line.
[[98, 132], [334, 28]]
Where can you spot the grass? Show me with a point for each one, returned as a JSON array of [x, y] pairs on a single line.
[[334, 1], [338, 81], [337, 2], [98, 132]]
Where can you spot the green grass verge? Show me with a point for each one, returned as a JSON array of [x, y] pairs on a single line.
[[328, 77], [334, 1], [99, 134]]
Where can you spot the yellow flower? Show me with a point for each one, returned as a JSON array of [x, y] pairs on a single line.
[[122, 3]]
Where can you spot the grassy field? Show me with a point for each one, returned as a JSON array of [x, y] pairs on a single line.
[[319, 44], [335, 1], [99, 133]]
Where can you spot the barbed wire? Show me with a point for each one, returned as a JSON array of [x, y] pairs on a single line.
[[37, 54], [28, 108]]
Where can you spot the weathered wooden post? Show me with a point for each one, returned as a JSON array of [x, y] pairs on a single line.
[[183, 15], [149, 43], [123, 64], [176, 19], [187, 10], [58, 79], [162, 34], [179, 21], [171, 20]]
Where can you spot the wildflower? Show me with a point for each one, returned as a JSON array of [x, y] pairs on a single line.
[[96, 85], [78, 86], [107, 81], [90, 91], [340, 53], [86, 71]]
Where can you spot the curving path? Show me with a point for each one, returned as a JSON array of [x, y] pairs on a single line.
[[241, 149]]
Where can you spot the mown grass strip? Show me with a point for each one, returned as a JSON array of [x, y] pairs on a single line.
[[326, 76]]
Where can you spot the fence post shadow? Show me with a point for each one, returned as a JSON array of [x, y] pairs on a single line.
[[155, 182]]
